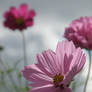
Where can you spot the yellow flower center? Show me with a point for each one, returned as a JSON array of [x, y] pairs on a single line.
[[57, 79], [19, 21]]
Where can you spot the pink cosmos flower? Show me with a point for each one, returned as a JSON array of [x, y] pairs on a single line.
[[19, 18], [55, 70], [80, 32]]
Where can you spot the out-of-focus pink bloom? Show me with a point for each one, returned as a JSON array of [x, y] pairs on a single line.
[[19, 18], [55, 70], [80, 32]]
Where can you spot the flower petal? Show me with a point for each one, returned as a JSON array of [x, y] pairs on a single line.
[[67, 62], [78, 59], [32, 13], [63, 90], [70, 75], [34, 74], [49, 62], [14, 11], [63, 48], [46, 88], [23, 10], [42, 66]]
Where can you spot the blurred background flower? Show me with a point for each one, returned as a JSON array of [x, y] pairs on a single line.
[[19, 18], [80, 32]]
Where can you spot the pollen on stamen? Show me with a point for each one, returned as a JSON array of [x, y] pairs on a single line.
[[57, 79]]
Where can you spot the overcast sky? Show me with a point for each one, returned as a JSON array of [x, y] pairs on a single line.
[[52, 16]]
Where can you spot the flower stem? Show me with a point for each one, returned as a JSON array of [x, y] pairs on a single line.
[[88, 75], [9, 75], [24, 49], [24, 53]]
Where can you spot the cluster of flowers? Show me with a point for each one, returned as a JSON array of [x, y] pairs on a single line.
[[54, 71]]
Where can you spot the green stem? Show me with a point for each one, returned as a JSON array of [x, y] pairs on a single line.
[[2, 81], [89, 70], [24, 53], [10, 76], [24, 49]]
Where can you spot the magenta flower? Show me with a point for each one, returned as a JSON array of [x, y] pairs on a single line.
[[19, 18], [80, 32], [54, 71]]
